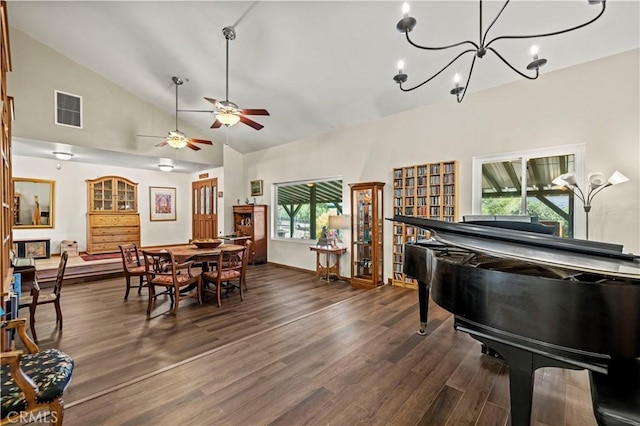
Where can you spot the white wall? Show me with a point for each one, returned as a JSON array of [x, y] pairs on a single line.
[[112, 117], [71, 201], [596, 104]]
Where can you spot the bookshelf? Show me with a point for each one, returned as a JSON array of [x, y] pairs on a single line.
[[423, 190]]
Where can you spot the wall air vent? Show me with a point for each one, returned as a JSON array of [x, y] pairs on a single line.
[[68, 109]]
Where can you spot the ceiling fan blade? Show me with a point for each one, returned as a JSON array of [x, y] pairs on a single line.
[[150, 136], [254, 112], [214, 101], [163, 143], [202, 141], [216, 124], [251, 123], [193, 147]]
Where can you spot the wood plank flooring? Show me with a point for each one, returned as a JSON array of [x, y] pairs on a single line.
[[293, 352]]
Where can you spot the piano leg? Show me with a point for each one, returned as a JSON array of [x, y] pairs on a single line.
[[423, 300], [522, 367]]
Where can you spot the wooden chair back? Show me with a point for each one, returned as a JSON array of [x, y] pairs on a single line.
[[162, 270], [37, 297], [230, 267], [132, 266]]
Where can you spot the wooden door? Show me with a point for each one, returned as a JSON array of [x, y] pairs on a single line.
[[204, 209]]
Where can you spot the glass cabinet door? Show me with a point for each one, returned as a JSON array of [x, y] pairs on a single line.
[[112, 194], [367, 235]]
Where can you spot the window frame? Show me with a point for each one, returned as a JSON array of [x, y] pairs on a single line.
[[274, 200], [578, 151]]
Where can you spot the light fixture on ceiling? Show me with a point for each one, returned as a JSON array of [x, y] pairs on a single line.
[[408, 23], [63, 155], [597, 182], [227, 118], [165, 167], [176, 139]]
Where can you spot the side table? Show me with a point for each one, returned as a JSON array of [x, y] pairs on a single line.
[[331, 266]]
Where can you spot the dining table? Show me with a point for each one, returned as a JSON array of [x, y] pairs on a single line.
[[183, 254]]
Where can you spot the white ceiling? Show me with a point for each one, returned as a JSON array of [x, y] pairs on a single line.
[[315, 66]]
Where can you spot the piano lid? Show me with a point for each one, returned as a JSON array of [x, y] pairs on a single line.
[[549, 250]]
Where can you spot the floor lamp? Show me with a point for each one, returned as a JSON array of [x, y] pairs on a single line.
[[597, 183]]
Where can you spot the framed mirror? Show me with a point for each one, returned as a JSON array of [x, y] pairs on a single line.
[[33, 203]]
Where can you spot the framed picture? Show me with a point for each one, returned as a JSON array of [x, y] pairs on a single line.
[[162, 203], [35, 249], [256, 188]]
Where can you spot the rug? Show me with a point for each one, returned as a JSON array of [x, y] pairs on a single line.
[[90, 257]]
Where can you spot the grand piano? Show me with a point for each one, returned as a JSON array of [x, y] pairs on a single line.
[[536, 301]]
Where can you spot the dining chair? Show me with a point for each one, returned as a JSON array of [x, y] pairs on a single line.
[[231, 266], [34, 381], [132, 266], [36, 297], [163, 271], [248, 254]]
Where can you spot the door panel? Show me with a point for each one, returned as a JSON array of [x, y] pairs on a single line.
[[204, 209]]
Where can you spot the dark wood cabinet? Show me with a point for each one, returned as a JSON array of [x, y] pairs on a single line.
[[251, 220]]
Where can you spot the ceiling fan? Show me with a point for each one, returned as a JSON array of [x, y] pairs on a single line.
[[176, 139], [228, 113]]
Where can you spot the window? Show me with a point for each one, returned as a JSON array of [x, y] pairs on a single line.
[[521, 184], [68, 109], [304, 207]]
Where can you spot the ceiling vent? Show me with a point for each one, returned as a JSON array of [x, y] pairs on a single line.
[[68, 109]]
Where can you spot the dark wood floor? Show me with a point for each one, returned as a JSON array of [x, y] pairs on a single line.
[[294, 352]]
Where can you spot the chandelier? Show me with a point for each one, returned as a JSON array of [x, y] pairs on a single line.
[[480, 49]]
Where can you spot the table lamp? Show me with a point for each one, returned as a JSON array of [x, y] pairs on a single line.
[[335, 224]]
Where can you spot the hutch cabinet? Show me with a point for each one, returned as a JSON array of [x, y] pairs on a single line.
[[251, 221], [112, 214], [367, 257], [425, 190], [6, 186]]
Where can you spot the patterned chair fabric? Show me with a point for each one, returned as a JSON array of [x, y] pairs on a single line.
[[33, 382]]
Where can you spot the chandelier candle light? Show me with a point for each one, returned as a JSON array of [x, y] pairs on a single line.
[[597, 183], [408, 23]]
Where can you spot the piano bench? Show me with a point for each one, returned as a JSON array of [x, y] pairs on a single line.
[[616, 396]]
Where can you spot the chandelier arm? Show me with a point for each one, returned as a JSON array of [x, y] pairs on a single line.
[[482, 40], [466, 86], [551, 33], [512, 67], [438, 73], [440, 47]]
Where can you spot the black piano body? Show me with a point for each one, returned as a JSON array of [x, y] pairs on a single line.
[[537, 300]]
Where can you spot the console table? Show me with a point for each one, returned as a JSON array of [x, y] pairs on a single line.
[[329, 269], [37, 248]]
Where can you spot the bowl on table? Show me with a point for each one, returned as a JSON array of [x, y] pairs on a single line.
[[207, 243]]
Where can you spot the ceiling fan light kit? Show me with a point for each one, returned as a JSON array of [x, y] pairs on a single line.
[[227, 118], [480, 49]]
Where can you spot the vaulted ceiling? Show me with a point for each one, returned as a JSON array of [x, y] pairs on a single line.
[[315, 66]]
